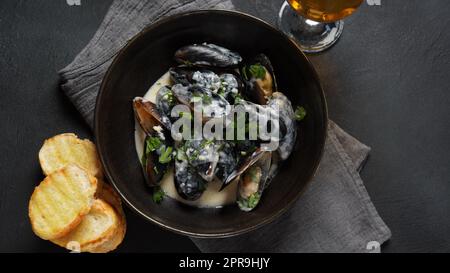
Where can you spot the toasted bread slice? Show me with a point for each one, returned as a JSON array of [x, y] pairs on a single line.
[[110, 196], [68, 148], [97, 227], [113, 242], [58, 204]]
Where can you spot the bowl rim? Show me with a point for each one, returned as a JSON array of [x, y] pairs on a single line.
[[272, 217]]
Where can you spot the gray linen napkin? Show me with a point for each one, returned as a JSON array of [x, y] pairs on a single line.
[[334, 215]]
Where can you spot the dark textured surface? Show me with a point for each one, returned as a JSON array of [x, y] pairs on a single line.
[[387, 82]]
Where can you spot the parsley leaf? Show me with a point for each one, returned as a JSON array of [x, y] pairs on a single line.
[[166, 155], [253, 200], [258, 71], [158, 195], [300, 113], [237, 98], [206, 99], [170, 98], [152, 144]]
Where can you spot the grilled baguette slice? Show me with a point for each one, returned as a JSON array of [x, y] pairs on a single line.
[[110, 196], [97, 227], [68, 148], [59, 203]]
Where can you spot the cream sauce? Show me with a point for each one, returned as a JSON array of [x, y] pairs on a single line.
[[211, 197]]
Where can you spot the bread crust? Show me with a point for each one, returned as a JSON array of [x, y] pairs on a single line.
[[109, 195], [85, 234]]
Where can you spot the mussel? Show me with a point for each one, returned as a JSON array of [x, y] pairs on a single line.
[[187, 75], [158, 150], [213, 105], [228, 160], [231, 85], [188, 182], [208, 55], [288, 126], [253, 182], [243, 165], [225, 84], [165, 101], [203, 155], [260, 79]]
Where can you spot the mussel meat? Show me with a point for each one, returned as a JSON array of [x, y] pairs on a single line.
[[208, 55], [260, 79], [253, 182]]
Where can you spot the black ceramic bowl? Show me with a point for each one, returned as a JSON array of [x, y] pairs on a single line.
[[148, 56]]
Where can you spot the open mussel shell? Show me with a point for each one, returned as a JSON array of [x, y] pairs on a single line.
[[151, 123], [243, 165], [260, 79], [189, 184], [228, 161], [148, 116], [253, 182], [154, 171], [209, 55]]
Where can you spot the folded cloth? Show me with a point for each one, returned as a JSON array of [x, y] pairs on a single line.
[[334, 215]]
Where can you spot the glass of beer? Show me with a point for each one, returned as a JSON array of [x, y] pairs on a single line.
[[315, 24]]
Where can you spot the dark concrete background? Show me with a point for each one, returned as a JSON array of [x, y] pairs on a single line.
[[387, 82]]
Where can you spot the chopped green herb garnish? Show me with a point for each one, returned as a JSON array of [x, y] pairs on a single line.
[[170, 98], [194, 156], [253, 200], [206, 142], [206, 99], [156, 170], [158, 195], [221, 91], [152, 144], [258, 71], [166, 155], [237, 98], [300, 113]]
